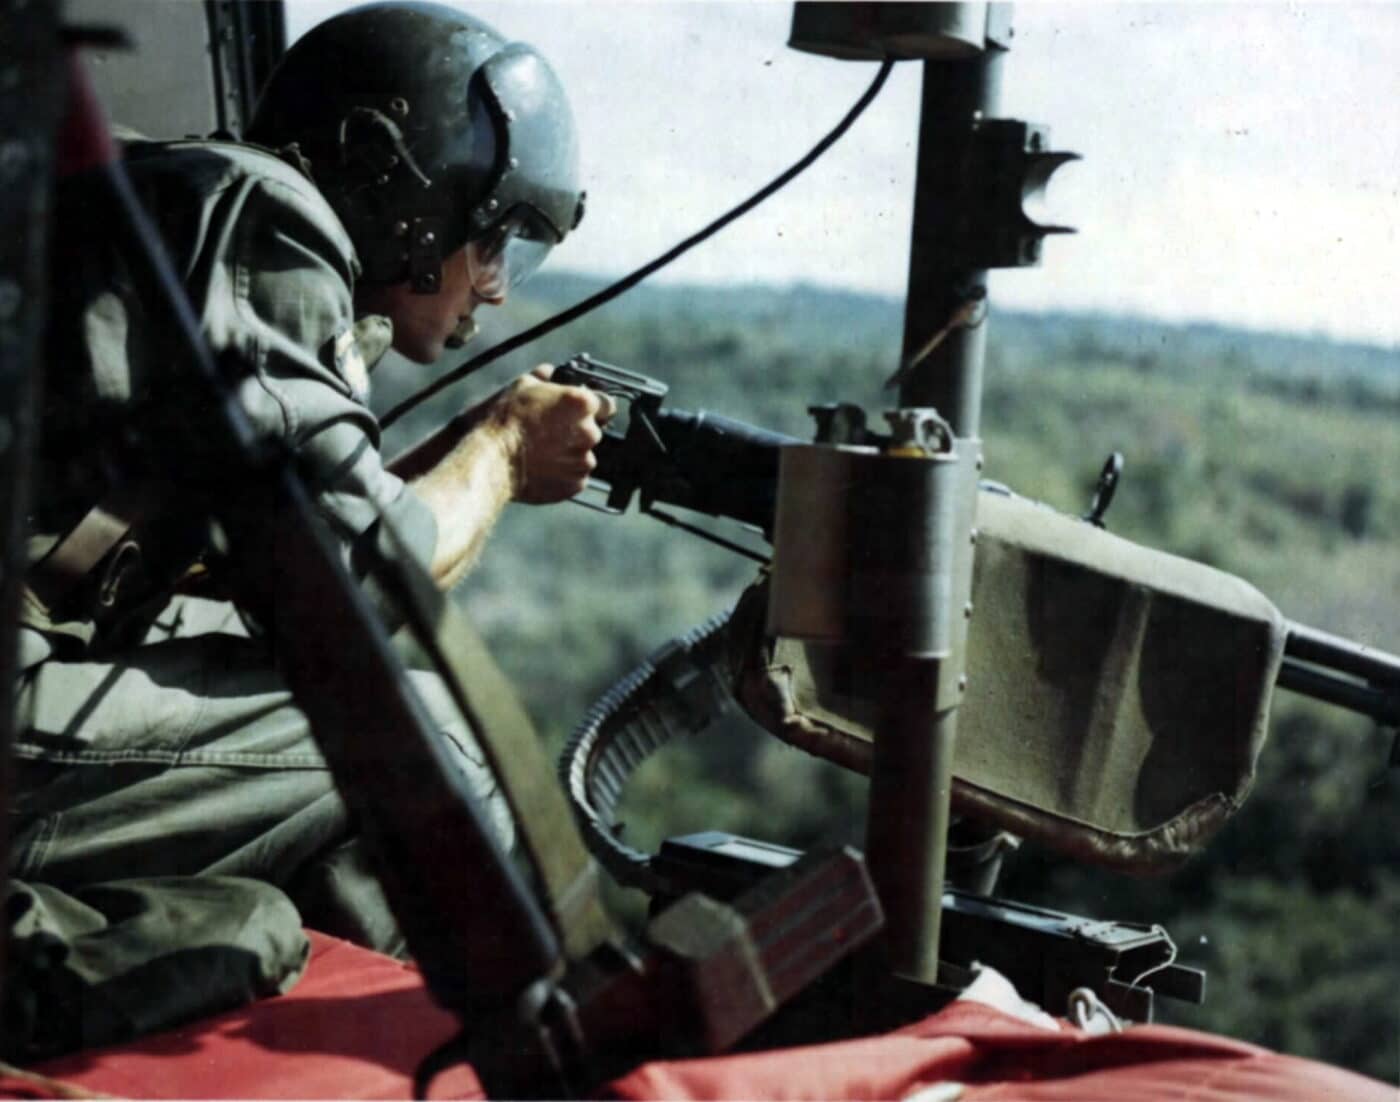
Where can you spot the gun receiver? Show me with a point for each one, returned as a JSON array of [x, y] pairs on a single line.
[[699, 461]]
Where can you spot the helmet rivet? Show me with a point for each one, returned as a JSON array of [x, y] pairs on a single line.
[[400, 228], [491, 204], [382, 180], [428, 238], [515, 162], [398, 105]]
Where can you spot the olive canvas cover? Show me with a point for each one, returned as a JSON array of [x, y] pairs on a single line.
[[1117, 696]]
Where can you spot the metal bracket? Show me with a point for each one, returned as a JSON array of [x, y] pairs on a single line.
[[1007, 169], [245, 43]]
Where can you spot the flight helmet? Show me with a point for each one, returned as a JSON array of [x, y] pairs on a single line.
[[426, 129]]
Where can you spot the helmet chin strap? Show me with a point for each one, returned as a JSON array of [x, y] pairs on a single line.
[[465, 331]]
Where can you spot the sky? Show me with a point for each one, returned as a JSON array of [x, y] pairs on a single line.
[[1241, 162]]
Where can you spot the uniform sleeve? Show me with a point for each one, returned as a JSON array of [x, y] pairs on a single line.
[[286, 312]]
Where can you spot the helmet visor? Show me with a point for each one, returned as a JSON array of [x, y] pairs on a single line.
[[503, 259]]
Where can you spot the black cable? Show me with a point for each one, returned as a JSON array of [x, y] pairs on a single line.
[[626, 283]]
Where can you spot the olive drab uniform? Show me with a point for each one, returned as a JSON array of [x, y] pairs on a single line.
[[156, 741]]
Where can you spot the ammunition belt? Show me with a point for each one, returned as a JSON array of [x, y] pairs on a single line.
[[677, 690]]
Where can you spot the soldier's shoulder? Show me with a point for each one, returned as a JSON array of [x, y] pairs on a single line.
[[213, 166]]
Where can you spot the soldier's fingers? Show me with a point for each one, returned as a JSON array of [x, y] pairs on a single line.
[[589, 433], [607, 409]]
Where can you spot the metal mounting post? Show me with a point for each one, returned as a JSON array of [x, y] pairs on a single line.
[[975, 174], [945, 334]]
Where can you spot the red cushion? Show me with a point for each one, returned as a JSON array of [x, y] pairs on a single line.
[[355, 1026], [358, 1023], [997, 1057]]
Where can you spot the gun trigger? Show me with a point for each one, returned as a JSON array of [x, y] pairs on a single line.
[[602, 489]]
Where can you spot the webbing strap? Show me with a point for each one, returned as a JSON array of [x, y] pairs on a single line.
[[566, 873], [88, 542]]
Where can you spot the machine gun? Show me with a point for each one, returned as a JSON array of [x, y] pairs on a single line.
[[725, 468]]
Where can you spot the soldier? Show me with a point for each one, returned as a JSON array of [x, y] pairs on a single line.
[[409, 166]]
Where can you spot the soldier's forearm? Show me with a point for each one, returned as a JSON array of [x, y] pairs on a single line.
[[464, 473]]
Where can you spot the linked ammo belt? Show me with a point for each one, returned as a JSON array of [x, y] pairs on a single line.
[[677, 690]]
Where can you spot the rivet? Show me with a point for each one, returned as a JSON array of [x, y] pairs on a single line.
[[972, 536], [400, 228], [967, 610], [515, 162], [962, 683], [492, 204], [398, 105], [382, 180], [428, 238]]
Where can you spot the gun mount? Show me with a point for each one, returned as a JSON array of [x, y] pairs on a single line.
[[1047, 749]]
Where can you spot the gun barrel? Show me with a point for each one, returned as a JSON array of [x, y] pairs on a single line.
[[1342, 672], [1334, 652]]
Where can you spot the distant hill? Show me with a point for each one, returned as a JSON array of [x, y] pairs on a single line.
[[840, 317]]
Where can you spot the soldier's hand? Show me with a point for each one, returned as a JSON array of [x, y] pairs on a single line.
[[549, 432]]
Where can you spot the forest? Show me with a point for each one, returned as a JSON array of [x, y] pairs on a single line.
[[1268, 456]]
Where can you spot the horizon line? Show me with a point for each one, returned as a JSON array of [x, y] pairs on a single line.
[[1314, 336]]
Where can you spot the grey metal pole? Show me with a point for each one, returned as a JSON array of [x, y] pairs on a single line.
[[944, 342], [957, 96], [909, 561]]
